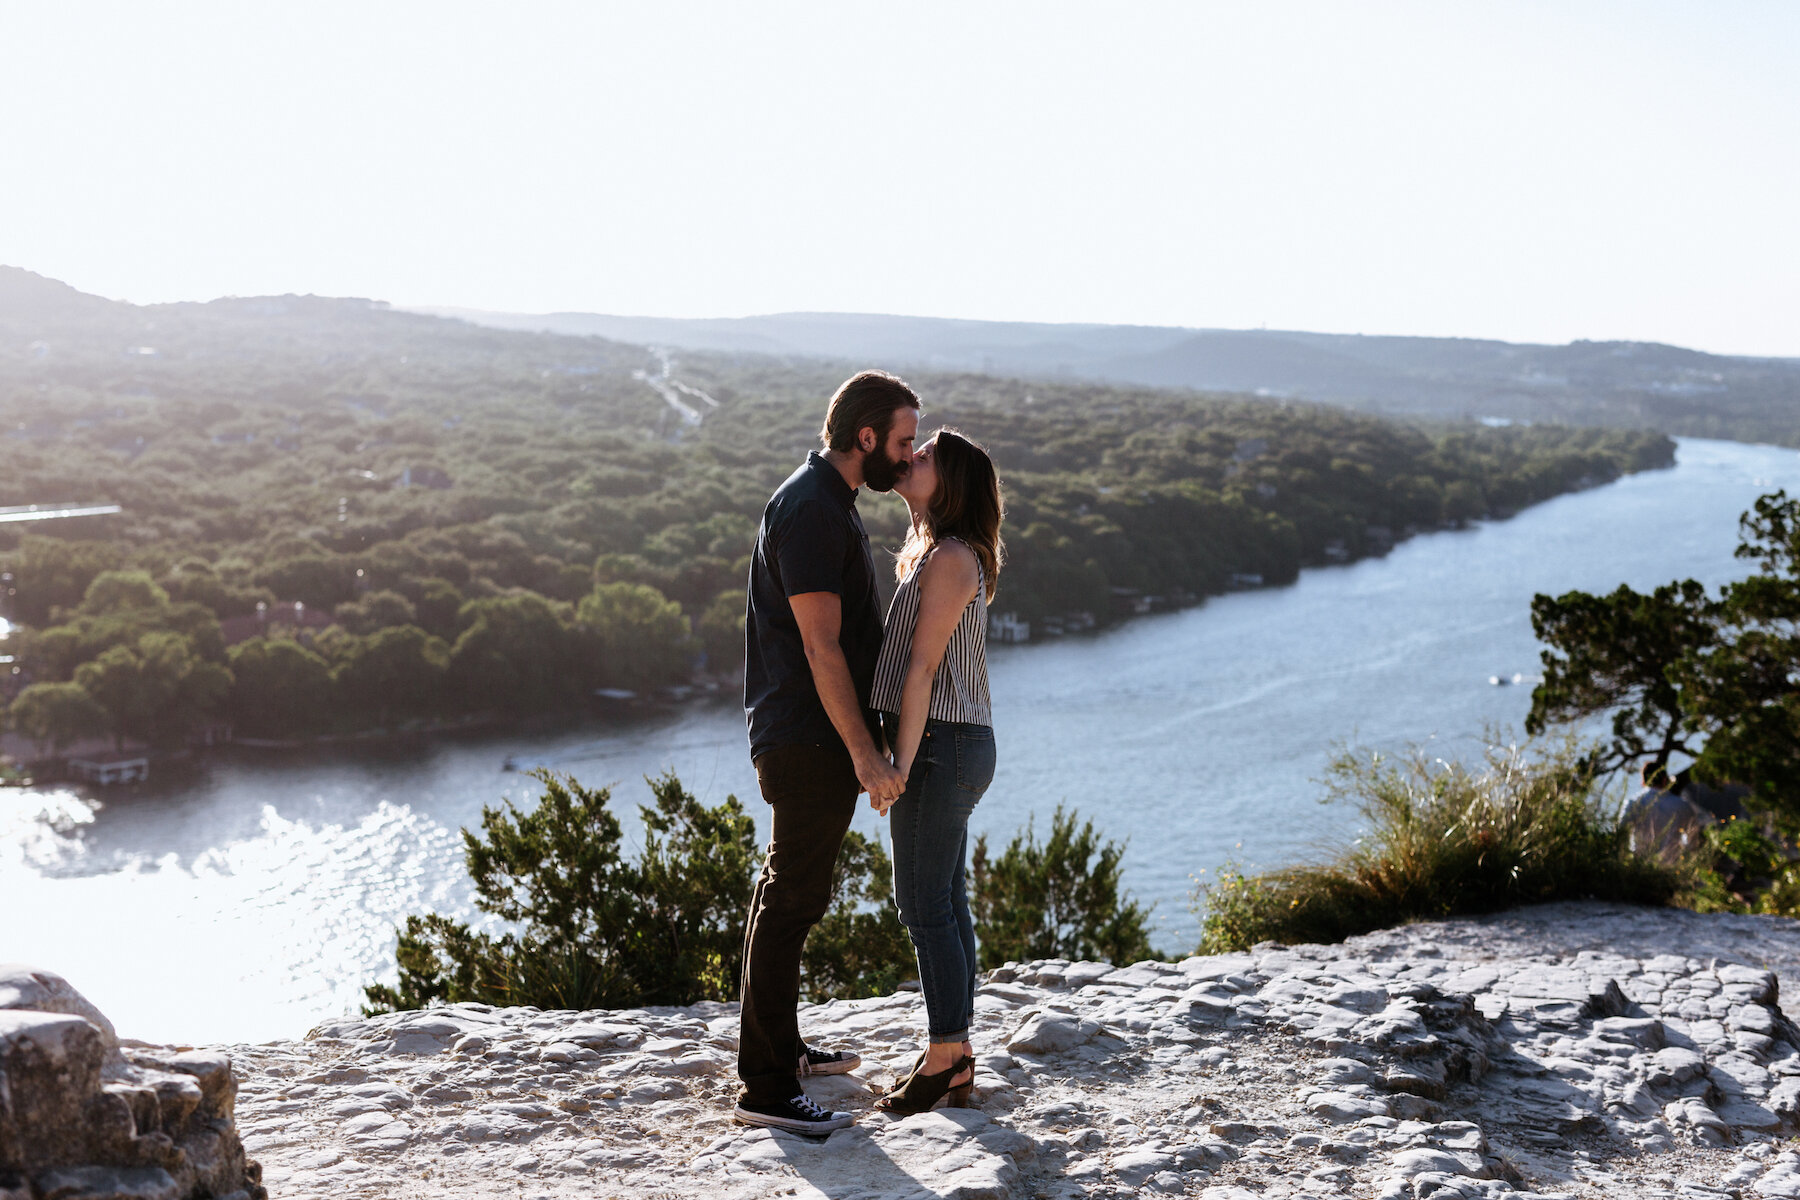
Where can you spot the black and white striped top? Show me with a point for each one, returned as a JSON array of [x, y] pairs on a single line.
[[959, 690]]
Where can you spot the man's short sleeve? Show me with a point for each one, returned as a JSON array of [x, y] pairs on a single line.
[[809, 550]]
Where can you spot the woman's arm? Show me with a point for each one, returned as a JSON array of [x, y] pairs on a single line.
[[947, 582]]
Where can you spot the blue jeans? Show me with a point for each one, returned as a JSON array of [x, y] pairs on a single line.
[[953, 767]]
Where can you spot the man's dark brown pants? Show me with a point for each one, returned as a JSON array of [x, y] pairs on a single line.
[[812, 791]]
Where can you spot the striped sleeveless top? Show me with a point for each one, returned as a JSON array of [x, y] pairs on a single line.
[[959, 690]]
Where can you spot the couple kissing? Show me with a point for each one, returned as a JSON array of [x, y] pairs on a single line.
[[839, 704]]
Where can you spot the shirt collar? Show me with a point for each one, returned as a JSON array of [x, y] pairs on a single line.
[[835, 482]]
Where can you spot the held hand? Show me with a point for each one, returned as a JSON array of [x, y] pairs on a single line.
[[881, 780], [882, 806]]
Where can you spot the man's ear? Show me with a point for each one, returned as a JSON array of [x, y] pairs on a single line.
[[866, 439]]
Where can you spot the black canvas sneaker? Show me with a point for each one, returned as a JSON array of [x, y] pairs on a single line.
[[797, 1114], [827, 1062]]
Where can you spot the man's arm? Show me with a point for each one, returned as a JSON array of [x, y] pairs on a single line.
[[820, 615]]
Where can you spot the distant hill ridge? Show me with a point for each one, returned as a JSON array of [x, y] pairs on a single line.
[[1633, 384], [1625, 384]]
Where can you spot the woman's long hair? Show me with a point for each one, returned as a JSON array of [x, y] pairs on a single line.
[[966, 505]]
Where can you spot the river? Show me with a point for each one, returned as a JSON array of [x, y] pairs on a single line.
[[252, 901]]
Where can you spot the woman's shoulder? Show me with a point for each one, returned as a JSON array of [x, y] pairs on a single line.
[[950, 563], [953, 549]]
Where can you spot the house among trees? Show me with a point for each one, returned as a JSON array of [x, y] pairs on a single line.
[[1006, 627], [425, 477], [111, 769], [290, 614]]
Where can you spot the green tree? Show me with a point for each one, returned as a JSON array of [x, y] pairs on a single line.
[[116, 682], [1463, 502], [859, 948], [55, 714], [1743, 687], [438, 603], [517, 653], [556, 874], [643, 638], [1619, 653], [120, 607], [392, 674], [1685, 673], [317, 580], [122, 591], [197, 581], [694, 883], [156, 690], [376, 610], [280, 689], [54, 574], [721, 632], [285, 491], [1060, 899], [589, 929]]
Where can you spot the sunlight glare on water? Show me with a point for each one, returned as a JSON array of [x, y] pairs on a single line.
[[235, 942]]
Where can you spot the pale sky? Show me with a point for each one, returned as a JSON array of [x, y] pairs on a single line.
[[1529, 171]]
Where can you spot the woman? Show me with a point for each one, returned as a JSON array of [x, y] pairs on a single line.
[[931, 685]]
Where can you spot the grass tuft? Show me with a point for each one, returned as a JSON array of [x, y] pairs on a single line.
[[1443, 839]]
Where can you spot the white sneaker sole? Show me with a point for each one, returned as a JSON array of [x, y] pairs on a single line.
[[832, 1068], [819, 1128]]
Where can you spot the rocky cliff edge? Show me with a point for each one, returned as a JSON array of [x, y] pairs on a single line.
[[1568, 1050]]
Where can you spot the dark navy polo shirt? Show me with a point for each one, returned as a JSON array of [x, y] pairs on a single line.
[[811, 540]]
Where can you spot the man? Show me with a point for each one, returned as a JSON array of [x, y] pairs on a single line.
[[812, 634]]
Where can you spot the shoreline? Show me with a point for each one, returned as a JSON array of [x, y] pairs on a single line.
[[711, 687]]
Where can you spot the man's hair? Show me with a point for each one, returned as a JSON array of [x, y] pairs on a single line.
[[868, 399]]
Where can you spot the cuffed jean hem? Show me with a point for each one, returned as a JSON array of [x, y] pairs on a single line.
[[949, 1039]]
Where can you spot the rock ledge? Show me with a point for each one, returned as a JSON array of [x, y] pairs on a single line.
[[83, 1117], [1569, 1050]]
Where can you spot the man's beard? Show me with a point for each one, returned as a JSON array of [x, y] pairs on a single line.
[[880, 472]]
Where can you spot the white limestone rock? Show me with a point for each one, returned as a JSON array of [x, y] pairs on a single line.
[[34, 990], [1051, 1033], [83, 1119], [1598, 1049]]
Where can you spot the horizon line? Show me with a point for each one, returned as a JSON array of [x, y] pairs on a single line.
[[454, 310]]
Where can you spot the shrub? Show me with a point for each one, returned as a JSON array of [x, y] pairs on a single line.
[[859, 948], [1746, 867], [1443, 839], [589, 929], [1060, 899]]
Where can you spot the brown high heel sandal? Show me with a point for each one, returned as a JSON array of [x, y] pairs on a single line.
[[922, 1093], [901, 1082]]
